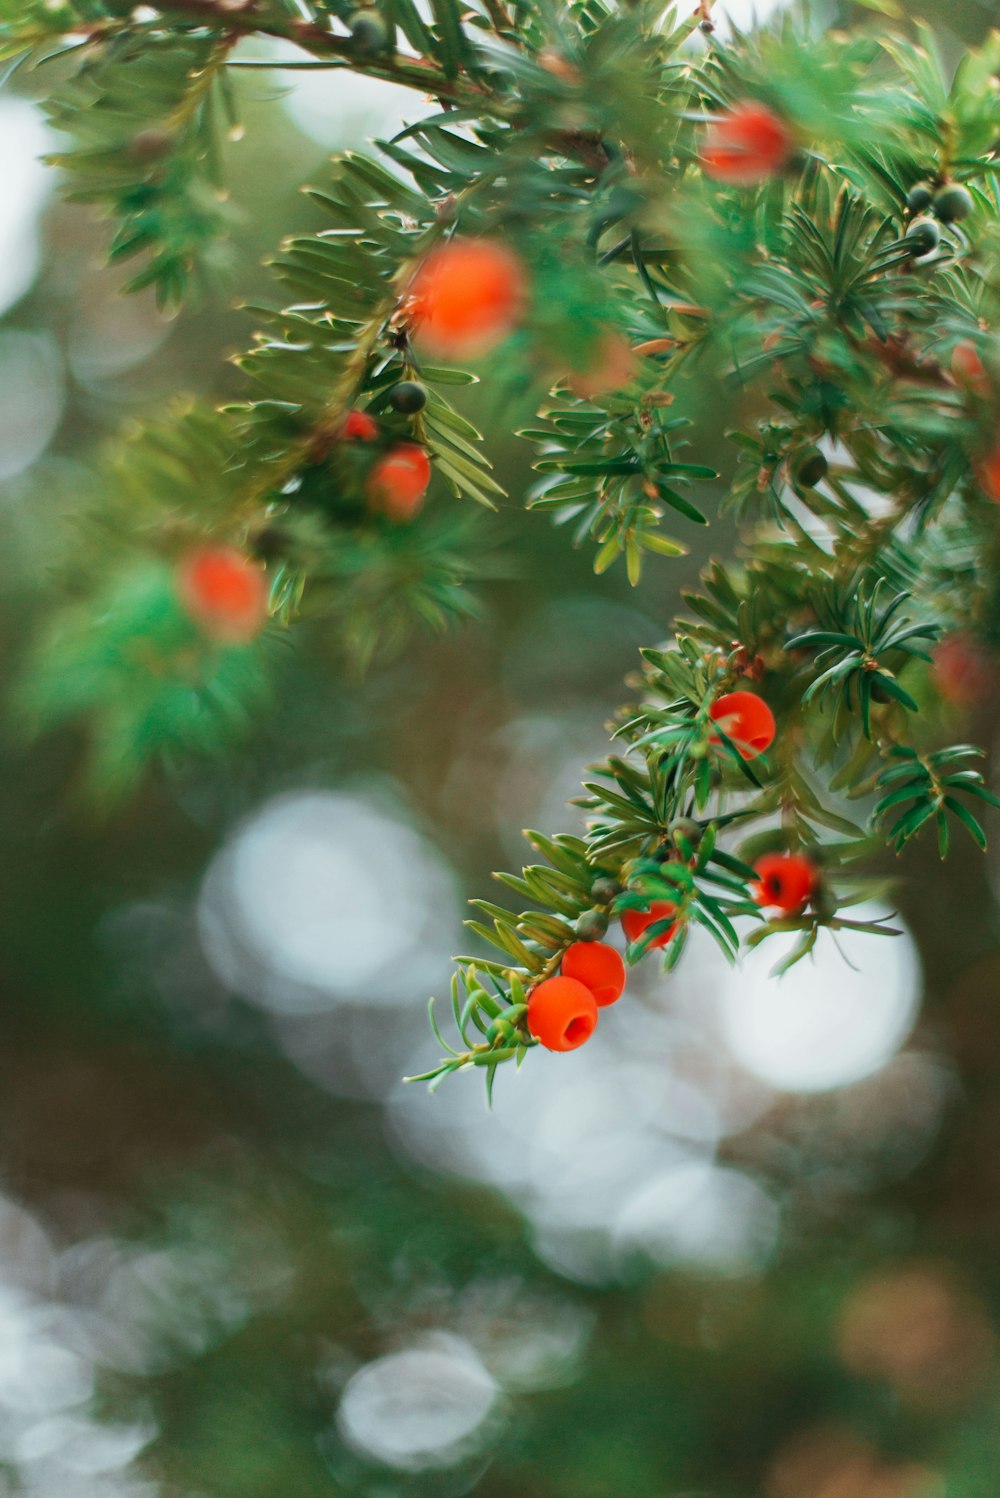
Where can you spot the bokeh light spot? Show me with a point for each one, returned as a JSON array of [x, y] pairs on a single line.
[[827, 1022]]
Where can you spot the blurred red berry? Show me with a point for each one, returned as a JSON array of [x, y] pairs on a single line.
[[963, 673], [785, 881], [747, 720], [747, 145], [636, 922], [466, 296], [562, 1014], [598, 967], [967, 369], [360, 427], [398, 482], [224, 593]]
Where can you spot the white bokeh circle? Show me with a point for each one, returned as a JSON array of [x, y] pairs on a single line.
[[326, 897], [826, 1022], [420, 1408]]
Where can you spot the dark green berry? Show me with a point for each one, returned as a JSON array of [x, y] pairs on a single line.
[[924, 236], [952, 203], [592, 925], [685, 830], [408, 397], [811, 468], [368, 33], [604, 890], [270, 543], [919, 197]]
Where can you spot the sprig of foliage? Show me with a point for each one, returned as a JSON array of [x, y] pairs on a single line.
[[866, 359]]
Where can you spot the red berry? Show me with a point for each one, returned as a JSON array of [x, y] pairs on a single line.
[[398, 482], [967, 369], [224, 593], [747, 145], [636, 922], [786, 880], [746, 719], [360, 427], [962, 670], [562, 1014], [466, 296], [598, 967]]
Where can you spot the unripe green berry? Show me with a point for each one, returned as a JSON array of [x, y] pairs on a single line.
[[592, 925], [919, 197], [369, 33], [685, 829], [811, 468], [952, 203], [408, 397], [604, 890], [925, 236], [270, 543]]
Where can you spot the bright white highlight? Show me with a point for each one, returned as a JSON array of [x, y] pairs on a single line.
[[823, 1024], [420, 1408], [24, 137], [701, 1214], [323, 898], [338, 108]]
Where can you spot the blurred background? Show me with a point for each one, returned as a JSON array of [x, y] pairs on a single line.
[[742, 1246]]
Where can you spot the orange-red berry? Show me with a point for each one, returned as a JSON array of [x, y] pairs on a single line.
[[466, 296], [967, 369], [747, 145], [962, 670], [562, 1014], [636, 922], [747, 720], [398, 482], [224, 593], [785, 881], [360, 427], [598, 967]]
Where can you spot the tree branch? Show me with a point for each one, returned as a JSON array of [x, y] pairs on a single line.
[[247, 18]]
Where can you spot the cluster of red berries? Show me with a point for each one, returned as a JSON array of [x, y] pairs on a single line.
[[562, 1012], [397, 482], [746, 145]]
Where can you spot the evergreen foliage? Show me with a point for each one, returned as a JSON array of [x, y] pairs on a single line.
[[576, 136]]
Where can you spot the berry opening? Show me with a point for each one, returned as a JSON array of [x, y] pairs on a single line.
[[785, 881], [578, 1030]]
